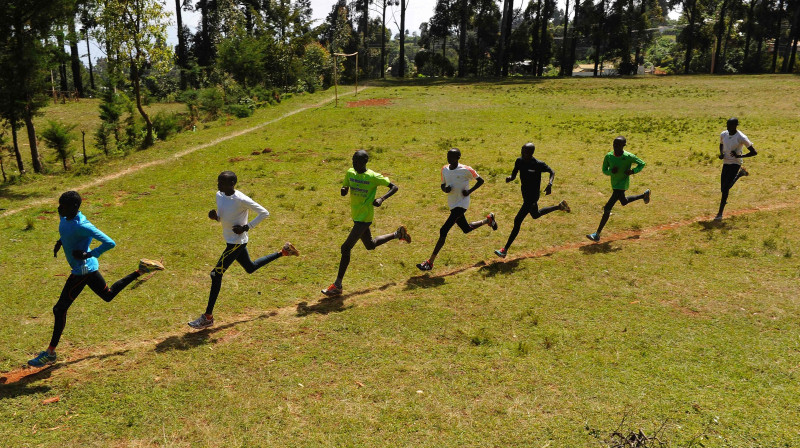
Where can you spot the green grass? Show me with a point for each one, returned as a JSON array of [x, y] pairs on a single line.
[[692, 328]]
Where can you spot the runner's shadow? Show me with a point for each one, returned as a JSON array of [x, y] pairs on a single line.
[[423, 281], [14, 380], [599, 248], [712, 225], [500, 267], [192, 339], [15, 390], [323, 306]]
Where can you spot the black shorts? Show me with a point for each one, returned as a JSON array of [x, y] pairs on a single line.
[[729, 172]]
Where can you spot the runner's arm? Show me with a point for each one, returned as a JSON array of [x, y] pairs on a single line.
[[106, 243], [751, 151], [56, 248], [392, 190], [478, 183], [606, 166]]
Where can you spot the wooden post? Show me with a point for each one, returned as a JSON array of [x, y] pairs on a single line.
[[53, 87], [83, 137], [357, 73], [335, 81]]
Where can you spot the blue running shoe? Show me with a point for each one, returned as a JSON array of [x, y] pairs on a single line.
[[594, 237], [42, 359]]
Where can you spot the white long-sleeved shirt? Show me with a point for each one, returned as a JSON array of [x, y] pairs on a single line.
[[232, 210]]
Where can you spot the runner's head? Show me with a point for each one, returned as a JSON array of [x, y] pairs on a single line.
[[619, 145], [453, 154], [226, 181], [527, 150], [360, 159], [733, 123], [68, 204]]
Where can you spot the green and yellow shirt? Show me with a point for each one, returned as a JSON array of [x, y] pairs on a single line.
[[363, 187]]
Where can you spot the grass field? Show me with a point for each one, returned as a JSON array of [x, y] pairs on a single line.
[[674, 326]]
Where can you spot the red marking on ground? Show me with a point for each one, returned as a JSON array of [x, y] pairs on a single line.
[[370, 102], [18, 375]]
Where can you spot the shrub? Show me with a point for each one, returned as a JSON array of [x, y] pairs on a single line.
[[59, 137], [165, 124], [240, 110], [211, 101]]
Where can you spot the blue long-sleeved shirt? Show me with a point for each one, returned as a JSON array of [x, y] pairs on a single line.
[[77, 233]]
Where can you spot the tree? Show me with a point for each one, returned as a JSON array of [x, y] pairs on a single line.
[[25, 29], [59, 137], [138, 30]]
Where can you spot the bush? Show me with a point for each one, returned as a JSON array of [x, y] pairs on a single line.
[[211, 101], [240, 110], [59, 137], [165, 124], [316, 61]]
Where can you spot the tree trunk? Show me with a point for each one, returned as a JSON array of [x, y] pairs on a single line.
[[574, 44], [83, 140], [562, 70], [462, 39], [777, 44], [148, 140], [77, 81], [535, 47], [89, 55], [17, 154], [792, 38], [727, 36], [444, 55], [748, 35], [181, 45], [690, 43], [383, 42], [62, 66], [794, 53], [28, 117], [720, 30], [544, 41], [402, 60]]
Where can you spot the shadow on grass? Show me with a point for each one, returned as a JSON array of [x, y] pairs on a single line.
[[708, 226], [15, 383], [325, 306], [500, 268], [599, 248], [423, 281], [192, 339]]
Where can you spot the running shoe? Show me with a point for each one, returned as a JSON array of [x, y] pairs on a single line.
[[425, 265], [402, 234], [289, 249], [146, 266], [718, 218], [491, 221], [332, 291], [501, 252], [202, 322], [594, 237], [563, 206], [743, 172], [42, 359], [647, 196]]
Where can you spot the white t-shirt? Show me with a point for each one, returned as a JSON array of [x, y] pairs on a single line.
[[232, 210], [733, 144], [458, 179]]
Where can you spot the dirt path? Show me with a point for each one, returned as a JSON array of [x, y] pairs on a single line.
[[180, 338], [172, 157]]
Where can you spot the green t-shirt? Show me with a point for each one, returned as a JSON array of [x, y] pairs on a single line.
[[620, 180], [362, 192]]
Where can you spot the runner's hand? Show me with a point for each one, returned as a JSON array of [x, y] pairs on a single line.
[[377, 202], [721, 156], [448, 189], [212, 214], [56, 248], [628, 172], [237, 229], [81, 255], [509, 179], [548, 189], [465, 192], [614, 170]]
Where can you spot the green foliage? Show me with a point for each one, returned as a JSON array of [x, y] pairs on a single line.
[[315, 63], [165, 124], [59, 137], [240, 110], [211, 101]]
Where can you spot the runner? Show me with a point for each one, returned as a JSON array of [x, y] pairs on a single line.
[[731, 143], [232, 212], [617, 164], [76, 234], [530, 177], [362, 184], [455, 182]]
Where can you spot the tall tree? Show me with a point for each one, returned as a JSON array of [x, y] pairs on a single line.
[[462, 37], [75, 57], [138, 29], [777, 34], [25, 27], [403, 6]]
